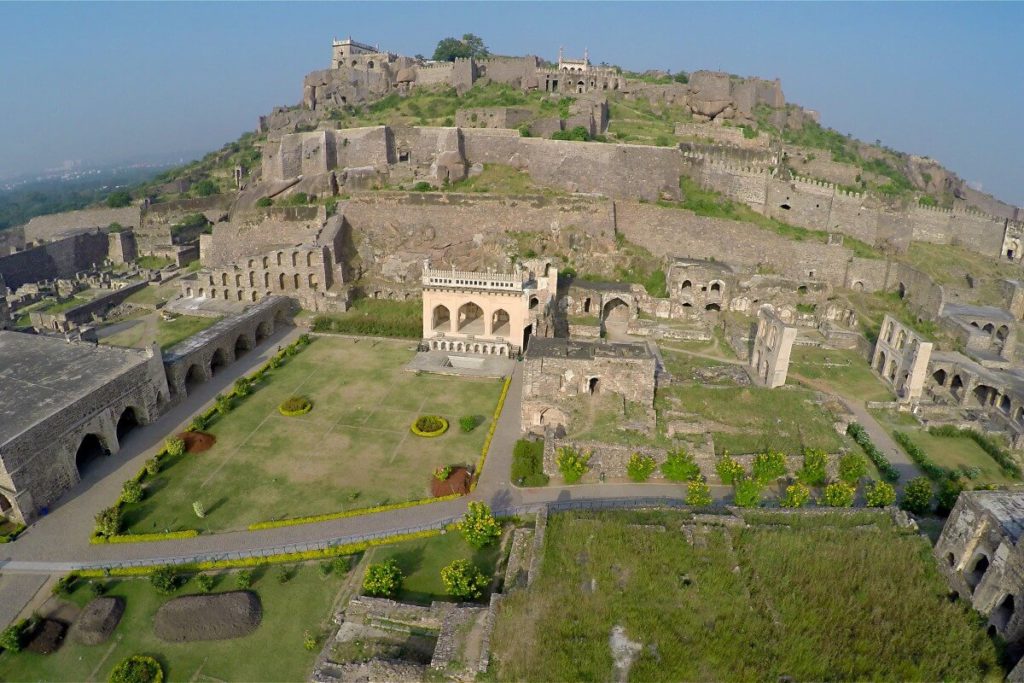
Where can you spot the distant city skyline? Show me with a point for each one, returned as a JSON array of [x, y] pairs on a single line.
[[105, 83]]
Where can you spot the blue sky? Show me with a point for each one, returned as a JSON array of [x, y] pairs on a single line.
[[105, 82]]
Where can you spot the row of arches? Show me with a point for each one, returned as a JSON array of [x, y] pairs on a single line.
[[199, 373], [470, 319], [981, 395], [974, 573], [280, 259], [485, 348], [93, 445]]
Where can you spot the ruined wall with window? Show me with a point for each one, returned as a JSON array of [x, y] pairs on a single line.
[[901, 359]]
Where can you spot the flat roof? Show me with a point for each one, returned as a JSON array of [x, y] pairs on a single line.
[[40, 376], [969, 311], [1006, 507], [551, 347]]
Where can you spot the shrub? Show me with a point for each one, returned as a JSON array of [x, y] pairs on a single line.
[[479, 527], [205, 582], [839, 494], [264, 202], [243, 579], [205, 187], [729, 471], [308, 640], [283, 575], [813, 472], [97, 588], [571, 463], [917, 496], [698, 493], [429, 425], [383, 579], [176, 447], [468, 423], [131, 491], [422, 186], [137, 669], [119, 199], [768, 466], [797, 496], [640, 467], [852, 467], [64, 585], [324, 569], [222, 404], [442, 473], [860, 435], [199, 509], [880, 494], [108, 521], [746, 492], [295, 405], [198, 423], [12, 638], [164, 580], [153, 467], [464, 581], [528, 463], [680, 466], [949, 491]]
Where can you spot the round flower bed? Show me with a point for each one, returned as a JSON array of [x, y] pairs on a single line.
[[137, 669], [295, 405], [429, 425]]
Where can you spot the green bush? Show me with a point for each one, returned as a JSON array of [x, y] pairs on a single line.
[[422, 186], [679, 465], [198, 423], [839, 494], [283, 575], [295, 405], [222, 404], [528, 463], [430, 424], [64, 585], [442, 473], [640, 467], [243, 579], [479, 527], [153, 467], [746, 492], [698, 493], [880, 494], [205, 582], [383, 579], [729, 471], [264, 202], [917, 496], [797, 496], [108, 521], [949, 491], [860, 435], [341, 565], [768, 466], [852, 467], [119, 199], [571, 463], [164, 580], [131, 491], [309, 641], [468, 423], [464, 581], [813, 473], [13, 637], [137, 669], [577, 133]]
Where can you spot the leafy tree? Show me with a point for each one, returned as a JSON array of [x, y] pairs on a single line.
[[729, 471], [164, 580], [468, 423], [571, 463], [680, 466], [205, 187], [479, 527], [463, 580], [108, 521], [243, 579], [797, 496], [681, 77], [175, 447], [118, 199], [383, 579], [264, 202], [640, 467], [223, 404], [813, 472], [949, 491], [917, 496], [153, 467], [852, 467], [698, 493], [450, 49], [746, 492], [131, 491], [880, 494], [839, 494], [768, 466], [205, 582]]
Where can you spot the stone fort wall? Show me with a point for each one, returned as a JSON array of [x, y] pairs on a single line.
[[58, 259], [60, 224]]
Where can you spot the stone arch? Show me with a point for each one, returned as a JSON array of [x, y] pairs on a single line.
[[940, 377], [252, 278], [223, 279], [441, 319], [225, 295], [252, 264], [989, 328], [534, 302], [188, 292], [242, 344], [90, 448], [977, 571], [312, 281], [266, 280], [280, 258], [858, 286], [128, 421], [586, 305], [891, 373], [280, 282], [902, 290], [1002, 333], [500, 325], [255, 296], [369, 64], [218, 360], [901, 339], [266, 261], [238, 279], [593, 385], [1018, 415], [950, 559], [984, 395], [309, 259], [957, 386], [712, 307], [213, 293], [616, 310], [1003, 612], [239, 294], [296, 280], [716, 286], [1004, 405], [471, 318], [880, 366], [687, 284], [193, 377], [295, 259]]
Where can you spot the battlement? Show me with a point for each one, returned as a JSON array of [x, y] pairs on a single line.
[[467, 279], [435, 66]]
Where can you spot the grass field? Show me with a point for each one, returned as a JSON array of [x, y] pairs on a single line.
[[422, 560], [817, 602], [950, 266], [845, 372], [166, 333], [155, 294], [354, 450], [274, 652]]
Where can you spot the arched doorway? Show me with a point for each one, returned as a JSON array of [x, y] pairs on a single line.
[[940, 377], [471, 319], [193, 378], [527, 333], [263, 331], [593, 385], [500, 323], [441, 319], [242, 345], [219, 360], [126, 423], [1002, 614], [712, 307], [89, 450], [977, 572]]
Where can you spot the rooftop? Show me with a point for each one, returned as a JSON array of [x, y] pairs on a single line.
[[41, 376], [983, 312], [1006, 507], [547, 347]]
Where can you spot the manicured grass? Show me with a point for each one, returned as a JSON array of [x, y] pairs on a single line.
[[750, 419], [154, 294], [274, 652], [421, 562], [353, 450], [844, 371], [813, 602]]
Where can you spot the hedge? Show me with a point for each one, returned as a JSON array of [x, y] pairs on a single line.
[[442, 426], [997, 453], [280, 558], [885, 468], [932, 471], [144, 538], [13, 534], [312, 519], [490, 433]]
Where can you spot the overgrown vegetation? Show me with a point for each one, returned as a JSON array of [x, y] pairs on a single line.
[[528, 463], [860, 436], [375, 317]]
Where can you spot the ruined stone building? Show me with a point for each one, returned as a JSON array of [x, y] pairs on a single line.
[[901, 359], [62, 406], [773, 344]]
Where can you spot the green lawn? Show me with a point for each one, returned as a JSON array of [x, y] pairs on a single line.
[[823, 600], [422, 560], [166, 333], [750, 419], [154, 294], [353, 450], [274, 652], [54, 307], [845, 372]]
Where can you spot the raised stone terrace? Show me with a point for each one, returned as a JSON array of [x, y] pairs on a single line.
[[585, 350]]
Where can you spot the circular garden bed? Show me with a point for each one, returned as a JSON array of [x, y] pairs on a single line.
[[429, 425], [197, 442], [295, 405]]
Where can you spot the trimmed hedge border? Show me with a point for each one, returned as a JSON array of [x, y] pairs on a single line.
[[885, 468], [359, 512], [144, 538], [490, 433], [281, 558], [930, 468], [430, 435], [307, 406], [10, 536]]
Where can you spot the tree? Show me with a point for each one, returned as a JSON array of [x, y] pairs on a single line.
[[479, 527], [137, 669], [571, 463], [205, 187], [164, 580], [698, 493], [949, 491], [383, 579], [463, 580], [852, 467], [174, 447], [108, 521], [118, 199], [880, 494], [917, 496], [205, 582], [839, 494], [797, 495], [450, 49], [681, 77], [223, 404]]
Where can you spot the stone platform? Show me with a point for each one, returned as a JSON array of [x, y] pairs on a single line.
[[461, 364]]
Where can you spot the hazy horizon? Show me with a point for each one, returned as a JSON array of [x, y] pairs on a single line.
[[103, 83]]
